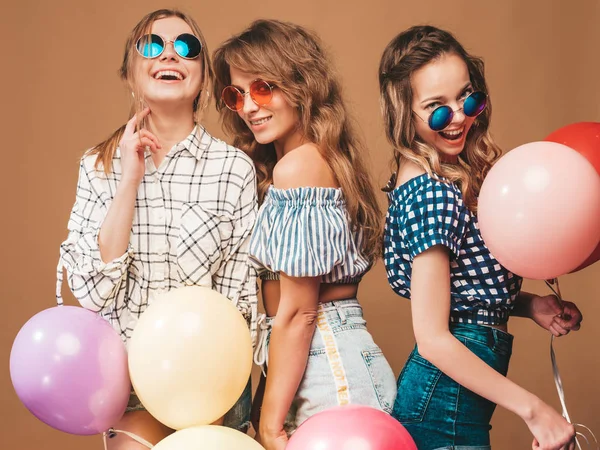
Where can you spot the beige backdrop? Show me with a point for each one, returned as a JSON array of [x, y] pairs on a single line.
[[61, 95]]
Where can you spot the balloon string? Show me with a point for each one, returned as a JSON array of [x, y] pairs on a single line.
[[111, 433], [557, 378], [550, 284], [585, 438]]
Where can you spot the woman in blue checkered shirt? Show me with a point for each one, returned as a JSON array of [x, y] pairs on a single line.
[[437, 113]]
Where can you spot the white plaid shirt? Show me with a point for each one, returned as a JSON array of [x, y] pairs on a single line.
[[192, 223]]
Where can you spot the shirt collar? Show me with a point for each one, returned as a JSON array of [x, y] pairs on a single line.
[[197, 142]]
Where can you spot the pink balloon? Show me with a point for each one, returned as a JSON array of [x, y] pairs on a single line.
[[539, 210], [69, 368], [351, 427]]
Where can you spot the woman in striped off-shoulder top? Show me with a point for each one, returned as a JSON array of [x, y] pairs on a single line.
[[317, 231]]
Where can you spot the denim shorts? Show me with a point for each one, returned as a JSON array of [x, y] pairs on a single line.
[[344, 365], [439, 413], [238, 417]]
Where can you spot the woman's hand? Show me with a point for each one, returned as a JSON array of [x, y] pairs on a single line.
[[272, 440], [133, 144], [550, 430], [555, 316]]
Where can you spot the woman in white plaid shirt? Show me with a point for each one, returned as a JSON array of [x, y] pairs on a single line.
[[161, 204]]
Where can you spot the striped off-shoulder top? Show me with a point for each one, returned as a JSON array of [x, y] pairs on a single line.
[[305, 232]]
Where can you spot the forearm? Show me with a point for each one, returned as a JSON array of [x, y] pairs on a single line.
[[114, 236], [522, 305], [459, 363], [288, 354]]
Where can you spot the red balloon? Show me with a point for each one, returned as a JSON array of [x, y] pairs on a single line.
[[351, 427], [583, 137]]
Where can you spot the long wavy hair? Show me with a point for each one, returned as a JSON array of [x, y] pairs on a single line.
[[294, 60], [106, 149], [406, 53]]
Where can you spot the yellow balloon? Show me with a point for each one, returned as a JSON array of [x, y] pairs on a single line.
[[190, 357], [208, 437]]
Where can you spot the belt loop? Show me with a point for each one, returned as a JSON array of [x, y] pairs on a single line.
[[495, 338], [341, 313]]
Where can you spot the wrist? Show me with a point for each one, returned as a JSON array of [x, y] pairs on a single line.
[[128, 183], [525, 305], [269, 429], [269, 425], [527, 409]]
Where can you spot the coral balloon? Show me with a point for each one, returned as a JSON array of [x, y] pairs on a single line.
[[539, 210], [351, 427], [69, 368], [190, 357]]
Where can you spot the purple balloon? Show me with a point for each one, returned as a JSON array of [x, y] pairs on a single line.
[[69, 368]]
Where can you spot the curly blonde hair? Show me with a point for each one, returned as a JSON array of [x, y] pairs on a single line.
[[293, 59], [406, 53]]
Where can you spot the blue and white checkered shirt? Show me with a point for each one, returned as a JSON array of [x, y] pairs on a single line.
[[425, 212]]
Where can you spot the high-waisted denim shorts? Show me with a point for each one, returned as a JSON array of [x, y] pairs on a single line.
[[344, 365], [439, 413]]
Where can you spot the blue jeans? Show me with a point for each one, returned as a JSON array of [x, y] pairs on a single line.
[[439, 413], [238, 417]]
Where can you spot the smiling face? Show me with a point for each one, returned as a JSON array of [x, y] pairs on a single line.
[[275, 122], [168, 78], [444, 81]]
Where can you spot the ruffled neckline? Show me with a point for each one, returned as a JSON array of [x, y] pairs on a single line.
[[306, 195]]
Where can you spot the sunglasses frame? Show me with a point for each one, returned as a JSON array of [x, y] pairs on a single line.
[[453, 111], [243, 94], [165, 42]]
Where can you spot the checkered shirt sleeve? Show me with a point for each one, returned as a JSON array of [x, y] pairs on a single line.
[[436, 216]]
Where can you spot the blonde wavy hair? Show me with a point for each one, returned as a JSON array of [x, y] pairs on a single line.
[[406, 53], [293, 59], [106, 149]]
